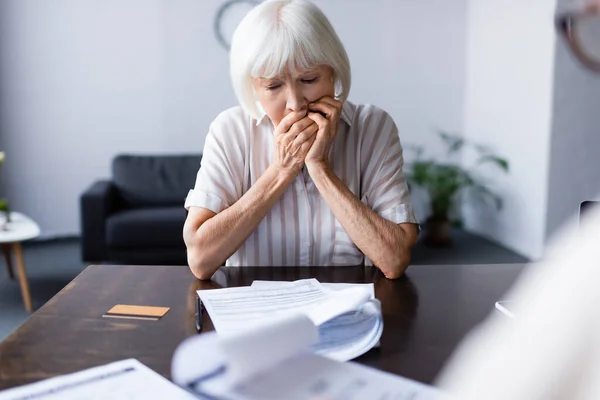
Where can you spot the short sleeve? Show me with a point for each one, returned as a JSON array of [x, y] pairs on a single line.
[[219, 179], [384, 186]]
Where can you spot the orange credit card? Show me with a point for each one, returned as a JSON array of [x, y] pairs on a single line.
[[136, 312]]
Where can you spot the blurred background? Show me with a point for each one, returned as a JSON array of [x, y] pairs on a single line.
[[82, 81]]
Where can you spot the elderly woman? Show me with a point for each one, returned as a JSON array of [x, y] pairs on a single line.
[[298, 175]]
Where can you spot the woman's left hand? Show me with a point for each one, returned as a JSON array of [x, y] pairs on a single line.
[[326, 113]]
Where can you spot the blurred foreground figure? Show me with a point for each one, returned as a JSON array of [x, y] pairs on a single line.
[[551, 350]]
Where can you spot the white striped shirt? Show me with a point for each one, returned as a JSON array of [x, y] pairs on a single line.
[[300, 229]]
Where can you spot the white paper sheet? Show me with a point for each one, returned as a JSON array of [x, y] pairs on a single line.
[[231, 360], [352, 334], [310, 376], [238, 308], [121, 380], [347, 335], [349, 321], [253, 351], [333, 286]]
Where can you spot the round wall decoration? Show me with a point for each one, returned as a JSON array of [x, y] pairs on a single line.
[[228, 17]]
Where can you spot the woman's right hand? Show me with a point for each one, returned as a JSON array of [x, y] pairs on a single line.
[[294, 136]]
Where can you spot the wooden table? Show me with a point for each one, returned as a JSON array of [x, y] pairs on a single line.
[[426, 314]]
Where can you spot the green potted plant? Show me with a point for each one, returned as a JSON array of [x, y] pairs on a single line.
[[446, 181]]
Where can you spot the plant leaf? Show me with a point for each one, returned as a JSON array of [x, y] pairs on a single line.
[[499, 161], [456, 146], [454, 142]]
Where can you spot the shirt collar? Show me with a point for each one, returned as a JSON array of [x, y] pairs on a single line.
[[347, 113]]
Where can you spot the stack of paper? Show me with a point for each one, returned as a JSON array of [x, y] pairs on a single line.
[[348, 318]]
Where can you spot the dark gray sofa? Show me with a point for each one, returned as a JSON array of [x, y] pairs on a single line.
[[137, 216]]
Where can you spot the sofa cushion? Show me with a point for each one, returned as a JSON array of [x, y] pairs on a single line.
[[154, 226], [147, 180]]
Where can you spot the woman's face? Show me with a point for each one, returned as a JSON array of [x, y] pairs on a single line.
[[292, 92]]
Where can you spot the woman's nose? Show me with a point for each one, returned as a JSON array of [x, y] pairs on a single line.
[[296, 100]]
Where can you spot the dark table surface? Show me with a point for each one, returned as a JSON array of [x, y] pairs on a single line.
[[426, 314]]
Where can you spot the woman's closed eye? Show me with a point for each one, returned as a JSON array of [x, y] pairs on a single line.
[[309, 80], [274, 86]]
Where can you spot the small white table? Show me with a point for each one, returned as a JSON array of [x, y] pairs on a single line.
[[19, 229]]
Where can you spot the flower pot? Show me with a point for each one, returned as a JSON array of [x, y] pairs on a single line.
[[437, 232]]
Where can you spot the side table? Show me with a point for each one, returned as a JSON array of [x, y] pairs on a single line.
[[19, 229]]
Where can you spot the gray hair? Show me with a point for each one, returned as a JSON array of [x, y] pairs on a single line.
[[279, 36]]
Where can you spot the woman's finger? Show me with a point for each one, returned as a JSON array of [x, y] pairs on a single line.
[[286, 138], [332, 102], [305, 147], [299, 126], [322, 108], [319, 119], [305, 135], [329, 107], [286, 122]]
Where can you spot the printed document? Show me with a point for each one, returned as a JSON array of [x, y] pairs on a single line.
[[349, 320]]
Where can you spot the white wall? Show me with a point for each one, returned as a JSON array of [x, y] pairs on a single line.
[[407, 57], [575, 161], [510, 59], [83, 80]]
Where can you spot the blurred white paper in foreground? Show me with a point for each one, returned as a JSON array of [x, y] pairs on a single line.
[[274, 361], [121, 380]]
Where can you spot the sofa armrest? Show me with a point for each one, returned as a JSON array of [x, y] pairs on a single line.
[[96, 204]]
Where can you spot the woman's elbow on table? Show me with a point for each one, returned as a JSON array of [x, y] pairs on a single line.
[[399, 257], [201, 264], [395, 268], [202, 267], [200, 261]]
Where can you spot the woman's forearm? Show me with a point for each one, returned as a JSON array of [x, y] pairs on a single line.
[[219, 237], [385, 243]]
